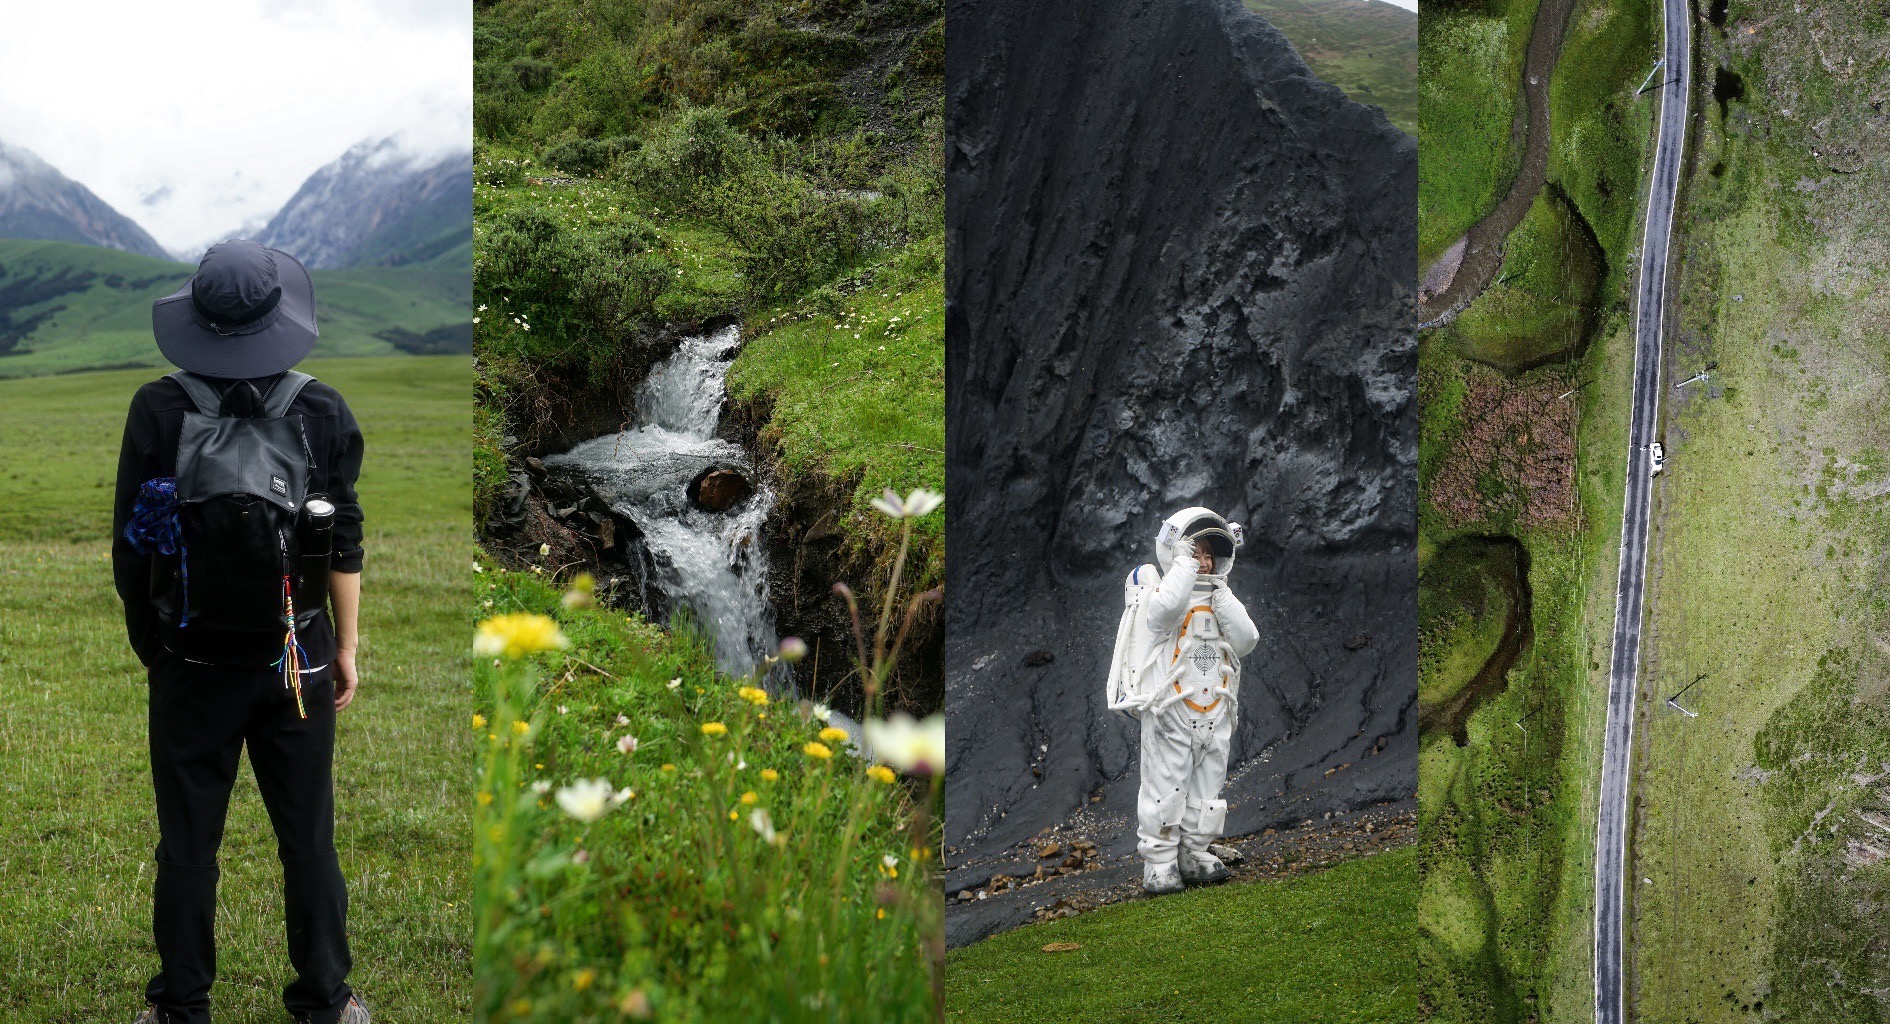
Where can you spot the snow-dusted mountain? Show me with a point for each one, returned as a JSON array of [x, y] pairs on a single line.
[[379, 205], [38, 202]]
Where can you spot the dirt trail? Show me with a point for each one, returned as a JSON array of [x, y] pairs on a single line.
[[1479, 253]]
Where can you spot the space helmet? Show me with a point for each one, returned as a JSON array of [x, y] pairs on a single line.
[[1197, 523]]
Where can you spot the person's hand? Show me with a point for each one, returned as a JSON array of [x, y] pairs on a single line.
[[346, 678]]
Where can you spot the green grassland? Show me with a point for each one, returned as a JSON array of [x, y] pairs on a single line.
[[1542, 304], [677, 903], [76, 842], [1761, 828], [1506, 907], [1365, 47], [1325, 948], [66, 308], [784, 171], [1470, 60]]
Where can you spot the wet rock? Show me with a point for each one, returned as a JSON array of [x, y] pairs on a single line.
[[1358, 643], [1205, 302], [719, 490], [1038, 659]]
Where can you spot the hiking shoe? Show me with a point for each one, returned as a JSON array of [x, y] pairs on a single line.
[[1160, 879], [355, 1012], [1202, 869], [149, 1016]]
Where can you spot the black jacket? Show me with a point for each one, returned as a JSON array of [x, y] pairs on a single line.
[[150, 450]]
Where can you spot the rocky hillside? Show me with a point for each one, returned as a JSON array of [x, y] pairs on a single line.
[[1181, 273], [39, 203], [379, 205]]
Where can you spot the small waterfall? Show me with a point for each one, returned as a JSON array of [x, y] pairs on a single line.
[[714, 563]]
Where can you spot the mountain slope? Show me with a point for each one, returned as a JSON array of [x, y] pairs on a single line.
[[66, 307], [38, 202], [378, 205], [1365, 47]]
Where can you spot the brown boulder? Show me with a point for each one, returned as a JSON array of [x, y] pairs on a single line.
[[718, 490]]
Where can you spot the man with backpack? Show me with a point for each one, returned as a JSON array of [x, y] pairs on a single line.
[[236, 530], [1177, 668]]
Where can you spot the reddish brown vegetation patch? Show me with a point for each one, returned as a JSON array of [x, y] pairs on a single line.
[[1513, 460]]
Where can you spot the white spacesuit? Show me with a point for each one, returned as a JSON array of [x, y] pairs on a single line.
[[1177, 668]]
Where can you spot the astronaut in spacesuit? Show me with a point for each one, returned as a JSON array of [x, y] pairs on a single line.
[[1178, 670]]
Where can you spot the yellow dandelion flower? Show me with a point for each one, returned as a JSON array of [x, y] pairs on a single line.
[[669, 767], [714, 729], [754, 695], [769, 775], [833, 734], [732, 816], [479, 721], [517, 634], [484, 798], [749, 797], [521, 727], [582, 980], [882, 773], [880, 913], [818, 749]]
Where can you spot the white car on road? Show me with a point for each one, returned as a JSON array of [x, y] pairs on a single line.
[[1659, 458]]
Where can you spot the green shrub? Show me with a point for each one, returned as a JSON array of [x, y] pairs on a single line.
[[793, 235], [589, 157], [564, 288], [690, 155]]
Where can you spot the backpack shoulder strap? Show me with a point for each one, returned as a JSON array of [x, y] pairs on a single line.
[[201, 393], [283, 395]]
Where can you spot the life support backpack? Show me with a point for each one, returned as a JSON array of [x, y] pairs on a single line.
[[230, 579], [1145, 675]]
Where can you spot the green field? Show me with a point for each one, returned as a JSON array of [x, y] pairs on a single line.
[[1765, 822], [1366, 47], [1470, 61], [76, 842], [66, 308], [1329, 947]]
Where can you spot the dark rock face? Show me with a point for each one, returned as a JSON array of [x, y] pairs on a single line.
[[1181, 272]]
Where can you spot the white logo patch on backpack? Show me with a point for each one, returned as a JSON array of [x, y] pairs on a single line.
[[279, 485]]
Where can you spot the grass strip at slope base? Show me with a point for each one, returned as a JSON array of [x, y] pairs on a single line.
[[1326, 947]]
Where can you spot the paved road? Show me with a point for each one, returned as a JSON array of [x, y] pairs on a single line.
[[1624, 670]]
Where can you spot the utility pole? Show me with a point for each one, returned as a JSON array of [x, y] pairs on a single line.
[[1674, 700]]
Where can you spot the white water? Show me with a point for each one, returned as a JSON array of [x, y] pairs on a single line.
[[714, 563]]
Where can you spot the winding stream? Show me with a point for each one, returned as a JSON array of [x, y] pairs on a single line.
[[715, 564]]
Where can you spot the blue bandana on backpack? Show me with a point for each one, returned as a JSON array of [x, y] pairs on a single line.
[[154, 526]]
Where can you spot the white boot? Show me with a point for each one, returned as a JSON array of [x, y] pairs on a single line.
[[1159, 879], [1201, 869]]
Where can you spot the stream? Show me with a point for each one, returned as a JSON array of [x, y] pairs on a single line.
[[714, 564]]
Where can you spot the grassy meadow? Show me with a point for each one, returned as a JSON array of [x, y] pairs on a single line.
[[77, 839], [1470, 60], [66, 308], [1329, 947], [1367, 48], [1764, 827]]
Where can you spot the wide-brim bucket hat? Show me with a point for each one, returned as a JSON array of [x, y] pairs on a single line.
[[248, 311]]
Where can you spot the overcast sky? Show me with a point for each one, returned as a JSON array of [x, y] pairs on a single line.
[[195, 126]]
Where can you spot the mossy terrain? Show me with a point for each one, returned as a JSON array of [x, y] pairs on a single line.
[[1524, 407], [1470, 58], [1763, 828], [644, 169], [1326, 947]]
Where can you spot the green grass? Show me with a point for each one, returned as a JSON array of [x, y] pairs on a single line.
[[1469, 80], [1599, 126], [856, 387], [1328, 947], [1464, 607], [1367, 48], [1541, 304], [680, 903], [76, 842], [107, 323]]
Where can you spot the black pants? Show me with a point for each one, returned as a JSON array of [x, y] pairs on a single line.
[[201, 717]]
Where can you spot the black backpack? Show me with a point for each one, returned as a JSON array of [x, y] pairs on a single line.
[[242, 484]]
